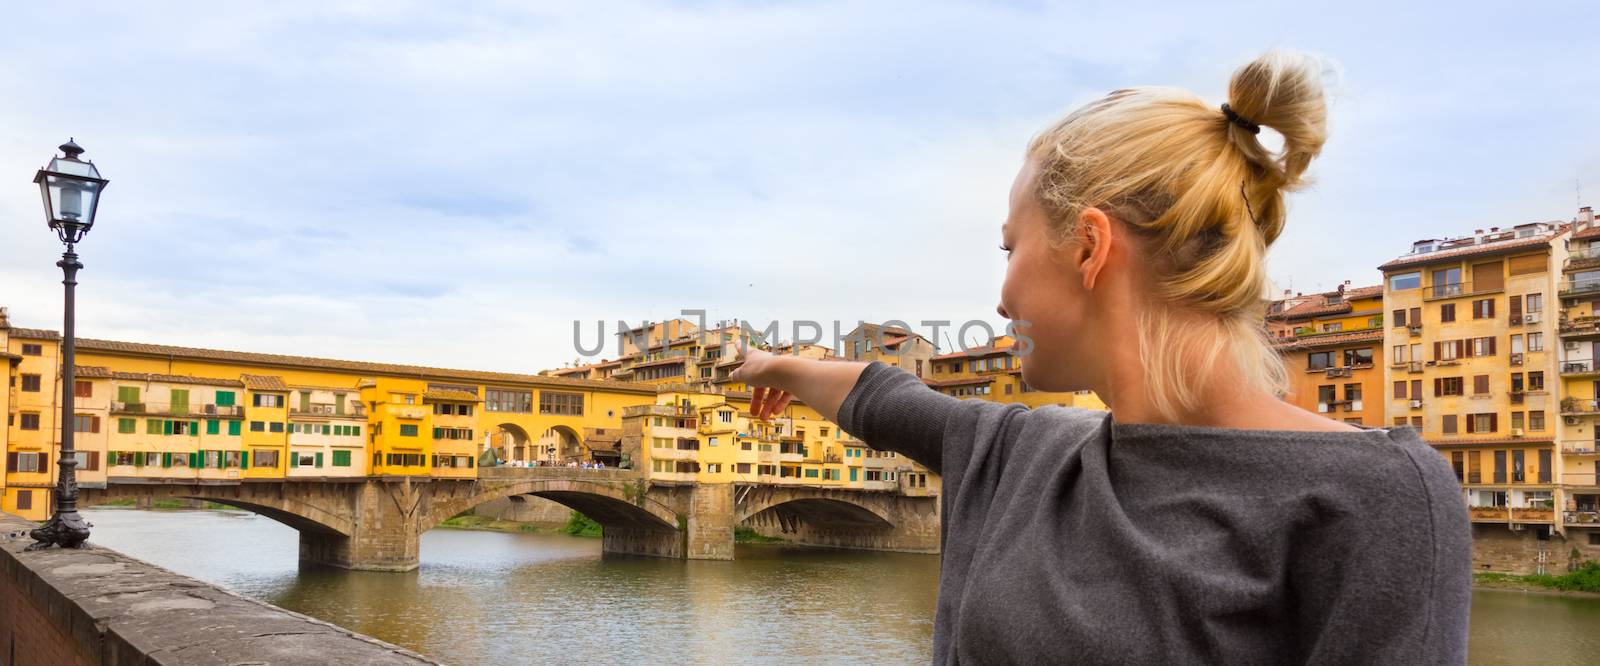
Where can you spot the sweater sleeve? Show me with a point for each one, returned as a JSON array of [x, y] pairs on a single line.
[[892, 410], [1391, 582]]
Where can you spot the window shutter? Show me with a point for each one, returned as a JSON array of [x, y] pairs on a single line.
[[1491, 344], [1516, 305], [194, 459], [94, 460], [11, 462], [1472, 424], [1436, 349], [294, 460], [1494, 422], [166, 427], [94, 424], [319, 460], [166, 459], [1438, 386], [244, 459], [138, 459], [1461, 348]]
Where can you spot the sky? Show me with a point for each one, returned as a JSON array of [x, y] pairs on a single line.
[[455, 184]]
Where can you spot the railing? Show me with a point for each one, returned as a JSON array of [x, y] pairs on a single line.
[[327, 410], [1575, 406], [1577, 326], [1416, 330], [1584, 258], [1533, 514], [1517, 397], [1580, 447], [1338, 372], [1577, 367], [1414, 367], [1489, 513], [832, 458], [1578, 287], [1580, 517], [1516, 358], [1456, 289], [164, 409]]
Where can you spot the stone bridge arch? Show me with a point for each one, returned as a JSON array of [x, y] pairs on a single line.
[[613, 504], [327, 514], [820, 506], [511, 442]]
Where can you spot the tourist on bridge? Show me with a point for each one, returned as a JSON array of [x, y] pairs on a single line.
[[1203, 519]]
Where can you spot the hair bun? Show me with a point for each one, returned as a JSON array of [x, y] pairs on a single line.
[[1281, 90]]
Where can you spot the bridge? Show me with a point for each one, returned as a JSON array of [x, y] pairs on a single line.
[[375, 523]]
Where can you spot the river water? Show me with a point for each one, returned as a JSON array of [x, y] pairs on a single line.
[[501, 598]]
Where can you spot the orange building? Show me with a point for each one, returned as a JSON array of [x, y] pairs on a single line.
[[1332, 344]]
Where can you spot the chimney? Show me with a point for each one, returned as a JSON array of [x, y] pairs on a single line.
[[1477, 232], [1587, 215], [5, 320]]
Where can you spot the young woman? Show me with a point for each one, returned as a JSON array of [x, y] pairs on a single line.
[[1203, 519]]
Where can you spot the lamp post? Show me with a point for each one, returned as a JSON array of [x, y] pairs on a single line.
[[71, 190]]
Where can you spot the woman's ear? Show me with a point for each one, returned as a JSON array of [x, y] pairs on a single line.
[[1094, 244]]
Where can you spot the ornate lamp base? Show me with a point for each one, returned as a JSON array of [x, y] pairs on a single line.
[[67, 531]]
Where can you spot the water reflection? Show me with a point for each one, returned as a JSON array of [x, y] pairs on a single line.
[[495, 598]]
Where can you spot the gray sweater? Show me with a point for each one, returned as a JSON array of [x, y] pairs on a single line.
[[1070, 538]]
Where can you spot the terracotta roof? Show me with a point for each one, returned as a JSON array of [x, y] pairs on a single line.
[[177, 379], [91, 372], [975, 352], [35, 334], [263, 382], [364, 367], [1498, 247], [452, 396], [1317, 304], [941, 383], [1330, 339], [661, 361], [1591, 232]]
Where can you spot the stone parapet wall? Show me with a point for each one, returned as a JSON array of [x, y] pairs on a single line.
[[99, 606]]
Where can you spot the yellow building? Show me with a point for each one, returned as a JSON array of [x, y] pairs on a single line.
[[994, 373], [1579, 331], [33, 411], [1472, 359], [1332, 345]]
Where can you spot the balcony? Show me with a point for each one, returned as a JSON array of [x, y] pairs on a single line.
[[1516, 358], [1581, 259], [1333, 373], [1533, 515], [328, 410], [1572, 368], [1580, 517], [1578, 288], [1517, 397], [1580, 447], [1414, 367], [833, 459], [164, 409], [1416, 330], [1494, 513], [1575, 406], [1457, 290], [1578, 327]]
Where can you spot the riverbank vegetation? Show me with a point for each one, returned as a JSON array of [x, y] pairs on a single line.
[[580, 525], [166, 504], [1585, 579], [472, 522], [747, 535]]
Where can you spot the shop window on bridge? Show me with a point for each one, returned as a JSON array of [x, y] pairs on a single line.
[[264, 458], [568, 404], [500, 400], [405, 459]]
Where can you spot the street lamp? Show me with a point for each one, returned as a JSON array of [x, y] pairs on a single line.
[[71, 190]]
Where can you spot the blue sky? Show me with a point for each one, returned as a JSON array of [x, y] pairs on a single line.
[[454, 185]]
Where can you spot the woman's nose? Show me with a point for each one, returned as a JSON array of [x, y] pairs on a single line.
[[1002, 310]]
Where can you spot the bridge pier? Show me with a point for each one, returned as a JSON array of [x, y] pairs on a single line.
[[385, 530]]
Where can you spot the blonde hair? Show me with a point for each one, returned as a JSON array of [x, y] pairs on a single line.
[[1204, 197]]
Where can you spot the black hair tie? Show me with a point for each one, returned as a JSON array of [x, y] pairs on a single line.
[[1241, 121]]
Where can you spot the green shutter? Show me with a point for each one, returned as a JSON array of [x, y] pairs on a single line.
[[213, 426], [111, 458], [319, 460], [294, 460], [194, 428], [152, 426], [194, 459], [127, 394], [138, 459], [166, 427], [166, 459], [225, 398], [180, 401], [341, 458], [326, 428], [127, 426], [244, 459], [233, 427]]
